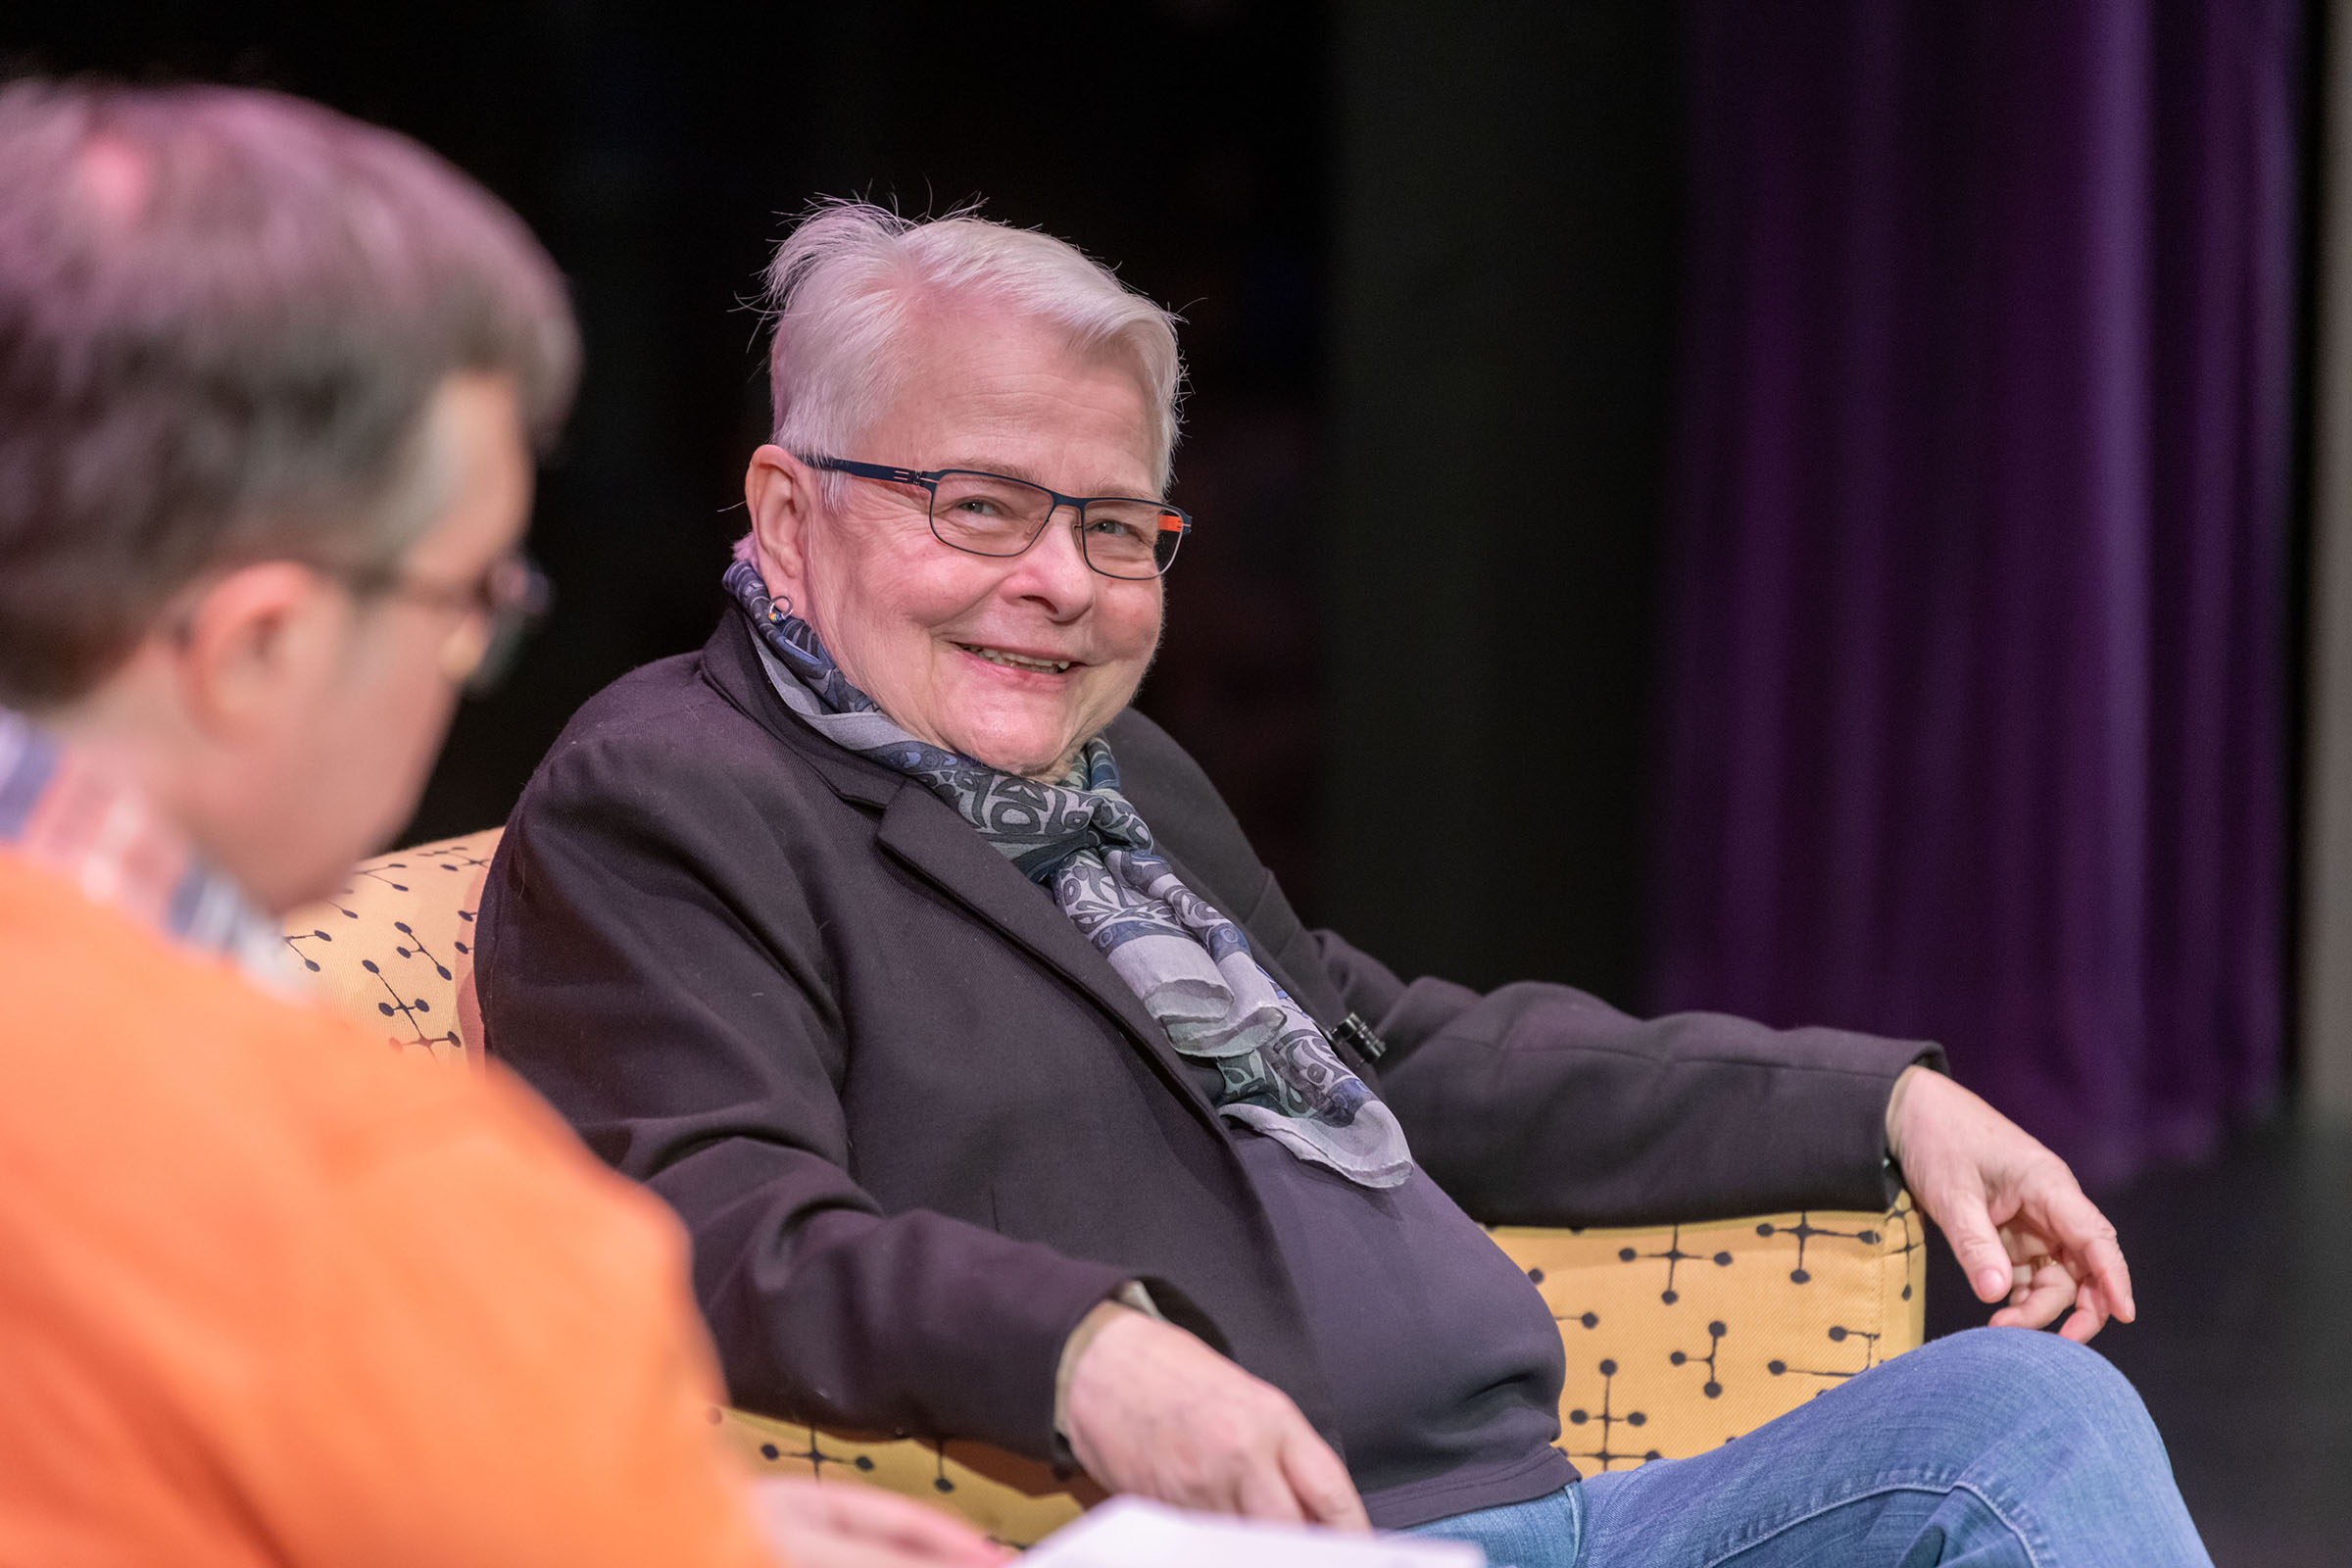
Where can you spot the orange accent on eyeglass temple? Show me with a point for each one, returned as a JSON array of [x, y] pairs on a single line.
[[1169, 522]]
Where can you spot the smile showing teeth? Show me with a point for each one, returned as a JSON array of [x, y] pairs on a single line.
[[997, 655]]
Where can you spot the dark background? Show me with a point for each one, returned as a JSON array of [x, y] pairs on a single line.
[[1426, 264]]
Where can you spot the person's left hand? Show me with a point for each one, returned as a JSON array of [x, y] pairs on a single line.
[[847, 1524], [2015, 1215]]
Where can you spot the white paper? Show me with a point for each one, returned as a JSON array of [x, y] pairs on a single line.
[[1132, 1533]]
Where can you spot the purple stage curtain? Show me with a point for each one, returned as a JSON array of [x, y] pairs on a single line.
[[1976, 710]]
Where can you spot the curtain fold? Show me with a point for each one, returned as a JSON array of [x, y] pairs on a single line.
[[1975, 707]]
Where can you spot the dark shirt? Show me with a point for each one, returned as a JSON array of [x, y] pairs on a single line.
[[1442, 1358]]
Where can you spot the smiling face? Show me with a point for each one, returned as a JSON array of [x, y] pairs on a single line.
[[1013, 660]]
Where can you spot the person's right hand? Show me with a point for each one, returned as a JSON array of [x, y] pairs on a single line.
[[847, 1524], [1155, 1411]]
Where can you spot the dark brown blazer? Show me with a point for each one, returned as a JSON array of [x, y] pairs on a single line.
[[917, 1127]]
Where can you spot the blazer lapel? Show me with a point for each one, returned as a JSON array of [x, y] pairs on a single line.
[[921, 831], [925, 834], [731, 666]]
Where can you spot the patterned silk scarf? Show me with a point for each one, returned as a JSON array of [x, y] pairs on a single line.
[[1081, 840]]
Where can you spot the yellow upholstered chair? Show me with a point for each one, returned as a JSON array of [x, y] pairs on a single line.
[[1679, 1337]]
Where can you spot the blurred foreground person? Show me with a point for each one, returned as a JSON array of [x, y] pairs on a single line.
[[270, 381]]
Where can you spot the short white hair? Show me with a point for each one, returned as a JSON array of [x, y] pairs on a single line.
[[843, 284]]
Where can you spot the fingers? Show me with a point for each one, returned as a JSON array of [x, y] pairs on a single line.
[[855, 1523], [2055, 1206], [1967, 1164], [819, 1549], [809, 1548], [2101, 1259], [1968, 1226], [2089, 1317], [926, 1533], [2040, 1294], [1320, 1482], [1265, 1493], [1152, 1410]]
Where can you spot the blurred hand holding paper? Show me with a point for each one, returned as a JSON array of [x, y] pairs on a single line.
[[1133, 1533]]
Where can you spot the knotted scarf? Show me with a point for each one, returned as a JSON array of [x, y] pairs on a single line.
[[1083, 842]]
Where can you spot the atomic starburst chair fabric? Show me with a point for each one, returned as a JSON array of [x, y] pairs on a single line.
[[395, 946], [1678, 1338]]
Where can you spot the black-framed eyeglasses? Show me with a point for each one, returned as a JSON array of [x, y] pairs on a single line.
[[996, 515], [501, 607]]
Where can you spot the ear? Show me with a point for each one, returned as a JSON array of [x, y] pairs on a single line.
[[254, 640], [779, 491]]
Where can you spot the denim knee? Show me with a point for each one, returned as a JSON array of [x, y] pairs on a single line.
[[2006, 1445], [2029, 1370]]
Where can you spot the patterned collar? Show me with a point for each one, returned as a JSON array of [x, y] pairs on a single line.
[[79, 823]]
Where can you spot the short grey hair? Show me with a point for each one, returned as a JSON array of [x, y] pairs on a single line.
[[223, 317], [843, 284]]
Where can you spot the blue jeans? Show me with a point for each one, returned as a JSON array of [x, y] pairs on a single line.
[[1997, 1445]]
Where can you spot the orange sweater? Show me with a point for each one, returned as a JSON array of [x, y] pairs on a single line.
[[270, 1294]]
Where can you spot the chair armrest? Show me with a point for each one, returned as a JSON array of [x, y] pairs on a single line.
[[1010, 1499], [1683, 1337]]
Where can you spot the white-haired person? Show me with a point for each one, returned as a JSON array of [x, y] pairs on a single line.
[[269, 385], [1007, 1098]]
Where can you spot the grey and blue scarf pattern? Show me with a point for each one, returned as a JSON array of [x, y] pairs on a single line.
[[1082, 841]]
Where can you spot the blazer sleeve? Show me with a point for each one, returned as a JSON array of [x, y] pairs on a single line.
[[647, 966], [1538, 1104]]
